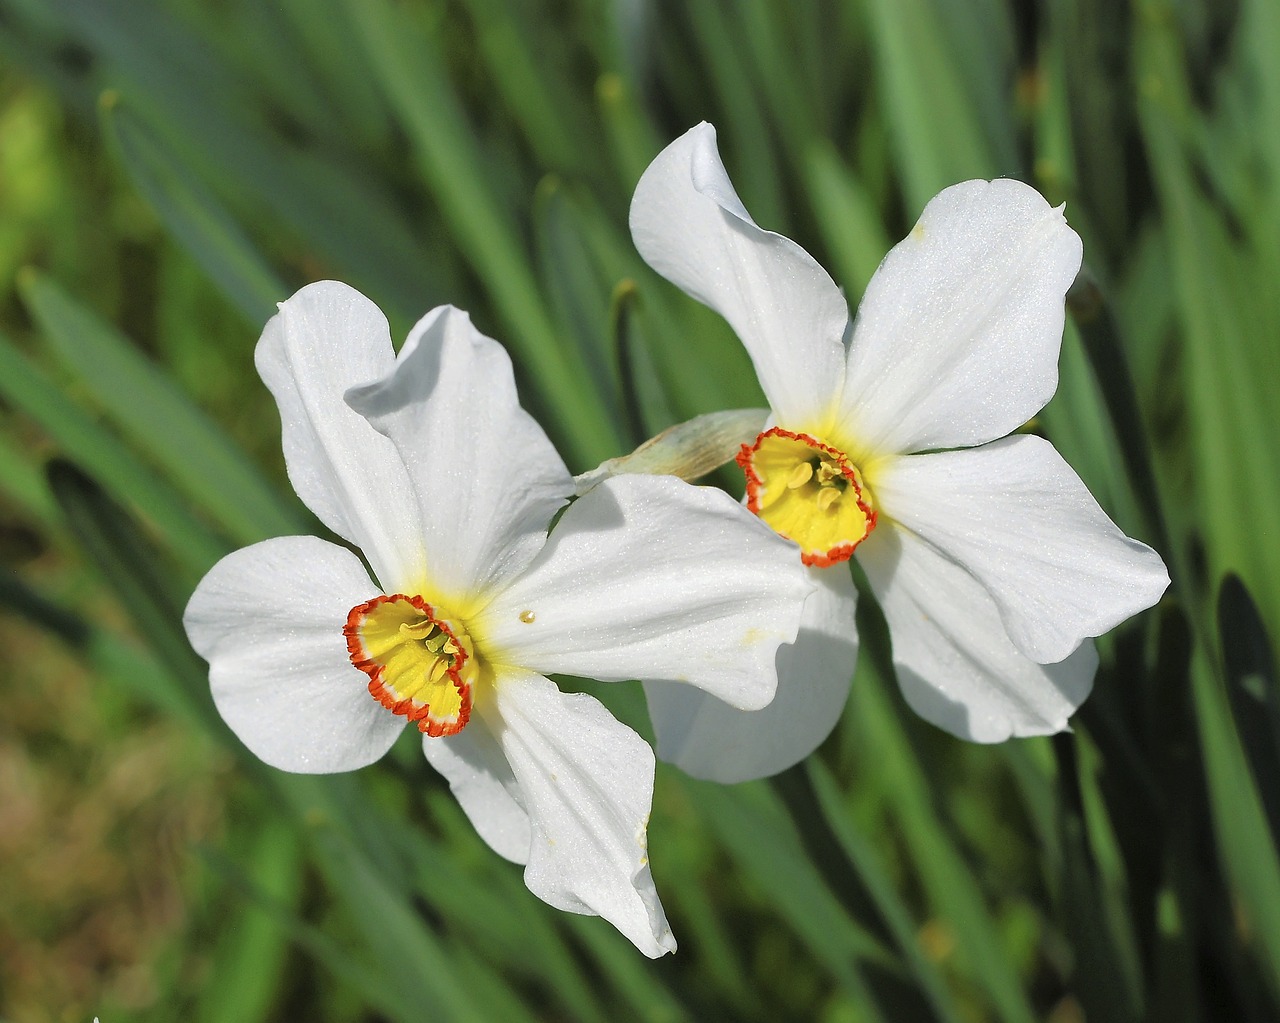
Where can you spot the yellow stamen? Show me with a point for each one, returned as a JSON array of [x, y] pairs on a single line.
[[420, 629], [827, 497], [800, 475]]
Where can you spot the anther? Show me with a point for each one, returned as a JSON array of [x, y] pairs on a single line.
[[800, 475]]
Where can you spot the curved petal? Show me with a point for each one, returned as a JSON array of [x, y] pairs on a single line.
[[269, 620], [956, 340], [587, 782], [651, 578], [487, 480], [955, 664], [690, 226], [325, 339], [709, 739], [481, 780], [1018, 519]]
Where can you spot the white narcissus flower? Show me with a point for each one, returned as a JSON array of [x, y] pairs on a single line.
[[888, 442], [426, 462]]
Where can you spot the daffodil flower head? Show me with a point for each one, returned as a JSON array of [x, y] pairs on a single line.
[[426, 463], [888, 444]]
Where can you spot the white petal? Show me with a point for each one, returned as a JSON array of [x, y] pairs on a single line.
[[269, 620], [325, 339], [587, 782], [955, 664], [690, 226], [709, 739], [648, 577], [481, 779], [486, 478], [956, 340], [1022, 523]]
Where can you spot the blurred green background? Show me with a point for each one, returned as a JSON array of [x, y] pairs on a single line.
[[170, 170]]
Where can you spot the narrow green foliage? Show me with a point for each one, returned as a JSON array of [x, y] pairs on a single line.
[[1249, 855], [637, 412], [512, 42], [577, 283], [22, 482], [1227, 385], [369, 981], [21, 601], [753, 826], [406, 59], [645, 996], [250, 956], [159, 419], [193, 215], [719, 30], [1109, 994], [851, 227], [951, 887], [929, 100], [413, 956], [631, 139], [889, 903], [1253, 690], [27, 388], [137, 572]]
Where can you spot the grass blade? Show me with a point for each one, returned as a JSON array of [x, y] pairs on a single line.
[[1253, 691], [106, 458], [159, 418], [143, 582], [193, 215], [408, 64]]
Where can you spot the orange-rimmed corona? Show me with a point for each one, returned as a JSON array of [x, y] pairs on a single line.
[[809, 492], [421, 664]]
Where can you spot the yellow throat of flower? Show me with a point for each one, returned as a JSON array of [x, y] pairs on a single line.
[[420, 663], [808, 492]]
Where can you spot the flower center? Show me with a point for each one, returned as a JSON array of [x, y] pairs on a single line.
[[808, 492], [420, 664]]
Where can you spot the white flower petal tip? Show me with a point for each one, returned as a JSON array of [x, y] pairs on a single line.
[[956, 339], [646, 577], [979, 721], [324, 340], [486, 479], [955, 664], [587, 784], [1020, 521], [690, 226], [708, 739], [268, 619]]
